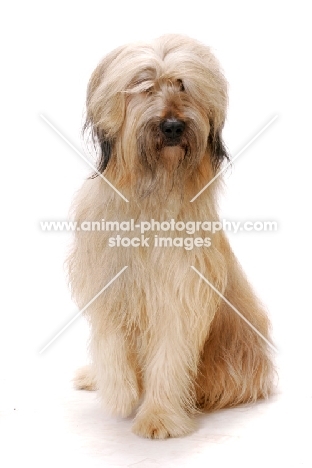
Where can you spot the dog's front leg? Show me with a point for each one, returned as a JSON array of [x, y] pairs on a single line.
[[168, 402], [115, 371]]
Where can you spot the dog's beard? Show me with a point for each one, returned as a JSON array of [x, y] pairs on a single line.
[[166, 165]]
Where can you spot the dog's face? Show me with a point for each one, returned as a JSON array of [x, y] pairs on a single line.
[[158, 109]]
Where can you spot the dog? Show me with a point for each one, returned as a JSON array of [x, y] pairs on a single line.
[[163, 342]]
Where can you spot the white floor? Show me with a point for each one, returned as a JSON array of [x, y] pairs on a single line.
[[44, 422]]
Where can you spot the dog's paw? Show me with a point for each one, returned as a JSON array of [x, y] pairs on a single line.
[[160, 425], [85, 379]]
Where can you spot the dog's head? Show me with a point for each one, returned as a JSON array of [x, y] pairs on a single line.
[[158, 109]]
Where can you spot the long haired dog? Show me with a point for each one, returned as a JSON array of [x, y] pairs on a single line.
[[163, 342]]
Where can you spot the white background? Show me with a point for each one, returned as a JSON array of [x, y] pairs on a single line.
[[49, 50]]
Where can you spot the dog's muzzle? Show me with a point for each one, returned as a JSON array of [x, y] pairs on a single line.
[[173, 130]]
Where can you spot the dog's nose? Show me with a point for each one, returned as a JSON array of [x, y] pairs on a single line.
[[172, 129]]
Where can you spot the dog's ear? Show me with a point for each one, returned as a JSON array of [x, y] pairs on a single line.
[[104, 150], [100, 72], [105, 146], [96, 110], [217, 147]]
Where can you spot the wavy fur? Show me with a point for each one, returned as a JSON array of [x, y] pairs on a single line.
[[159, 334]]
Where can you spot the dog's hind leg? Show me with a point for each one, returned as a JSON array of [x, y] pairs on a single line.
[[236, 365], [85, 379]]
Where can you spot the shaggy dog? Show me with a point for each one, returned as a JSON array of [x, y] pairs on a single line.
[[163, 342]]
